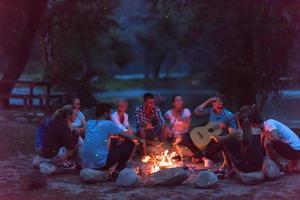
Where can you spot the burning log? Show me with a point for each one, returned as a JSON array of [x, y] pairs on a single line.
[[168, 177], [163, 161]]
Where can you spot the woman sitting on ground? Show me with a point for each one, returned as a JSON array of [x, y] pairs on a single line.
[[59, 142], [242, 149], [96, 153], [179, 119], [78, 125]]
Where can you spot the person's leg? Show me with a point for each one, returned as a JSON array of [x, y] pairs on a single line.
[[271, 152], [157, 132], [142, 134], [119, 155]]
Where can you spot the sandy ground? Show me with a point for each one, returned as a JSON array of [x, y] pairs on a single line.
[[16, 152]]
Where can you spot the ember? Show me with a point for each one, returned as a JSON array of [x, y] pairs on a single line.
[[162, 161]]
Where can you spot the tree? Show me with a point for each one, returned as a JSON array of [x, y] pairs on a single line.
[[21, 20], [84, 43], [163, 36]]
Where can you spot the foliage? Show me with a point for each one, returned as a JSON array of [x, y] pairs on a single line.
[[83, 41], [243, 47]]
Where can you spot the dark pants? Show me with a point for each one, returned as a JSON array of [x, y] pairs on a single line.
[[286, 151], [249, 161], [156, 132], [119, 154]]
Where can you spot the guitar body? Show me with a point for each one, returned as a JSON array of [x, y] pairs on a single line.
[[201, 135]]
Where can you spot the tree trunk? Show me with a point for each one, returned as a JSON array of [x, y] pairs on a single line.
[[32, 12], [158, 65]]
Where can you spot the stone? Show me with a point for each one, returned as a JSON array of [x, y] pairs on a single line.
[[206, 179], [270, 170], [127, 177], [47, 168], [3, 119], [21, 119], [252, 178], [91, 176], [168, 177]]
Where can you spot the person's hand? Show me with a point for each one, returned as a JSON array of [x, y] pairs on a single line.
[[130, 131], [237, 136], [141, 141], [213, 99], [222, 125], [216, 138], [148, 126]]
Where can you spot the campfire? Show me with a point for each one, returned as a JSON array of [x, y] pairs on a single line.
[[163, 161]]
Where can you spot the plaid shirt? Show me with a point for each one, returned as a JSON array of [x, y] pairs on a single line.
[[141, 118]]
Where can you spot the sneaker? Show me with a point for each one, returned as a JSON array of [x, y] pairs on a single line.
[[67, 164]]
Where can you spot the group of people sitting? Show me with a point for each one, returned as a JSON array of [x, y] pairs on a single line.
[[65, 137]]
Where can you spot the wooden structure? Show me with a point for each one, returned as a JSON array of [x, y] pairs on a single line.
[[44, 99]]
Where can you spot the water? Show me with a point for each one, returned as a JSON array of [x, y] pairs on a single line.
[[283, 107]]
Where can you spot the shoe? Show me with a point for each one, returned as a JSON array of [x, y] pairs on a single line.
[[114, 176], [67, 164]]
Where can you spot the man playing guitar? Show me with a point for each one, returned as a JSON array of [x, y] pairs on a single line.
[[217, 113]]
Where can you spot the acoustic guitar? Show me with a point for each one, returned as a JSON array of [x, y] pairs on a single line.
[[201, 136]]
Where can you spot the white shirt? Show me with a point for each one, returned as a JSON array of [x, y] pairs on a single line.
[[78, 123], [116, 119], [176, 124], [285, 133]]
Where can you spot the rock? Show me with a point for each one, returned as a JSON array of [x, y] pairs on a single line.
[[3, 119], [127, 177], [21, 119], [167, 177], [206, 179], [251, 178], [47, 168], [91, 176], [270, 170]]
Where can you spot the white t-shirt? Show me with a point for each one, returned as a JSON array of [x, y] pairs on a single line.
[[116, 119], [176, 124], [286, 134], [78, 123]]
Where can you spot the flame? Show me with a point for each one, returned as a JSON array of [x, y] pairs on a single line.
[[162, 161]]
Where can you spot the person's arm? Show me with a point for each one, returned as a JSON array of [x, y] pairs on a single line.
[[236, 135], [187, 119], [60, 159], [160, 116], [130, 137], [273, 135], [138, 119], [70, 141], [187, 122], [115, 119], [200, 110]]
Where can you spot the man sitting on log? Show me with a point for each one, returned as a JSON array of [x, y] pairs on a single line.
[[149, 120], [280, 141], [96, 153]]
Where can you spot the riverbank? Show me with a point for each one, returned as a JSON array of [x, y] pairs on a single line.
[[16, 152]]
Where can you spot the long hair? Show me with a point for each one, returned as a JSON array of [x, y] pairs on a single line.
[[63, 113], [244, 121]]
